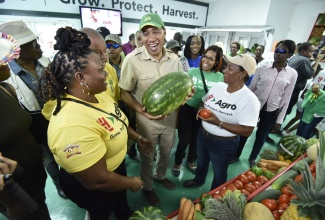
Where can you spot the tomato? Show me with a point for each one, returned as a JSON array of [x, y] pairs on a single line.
[[231, 187], [276, 214], [205, 113], [243, 178], [250, 187], [299, 178], [251, 176], [270, 204], [262, 179], [257, 184], [282, 206], [312, 168], [284, 199], [286, 190], [245, 192], [222, 192], [239, 185], [216, 196], [293, 196]]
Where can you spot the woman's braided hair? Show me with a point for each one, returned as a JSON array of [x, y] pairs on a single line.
[[73, 51]]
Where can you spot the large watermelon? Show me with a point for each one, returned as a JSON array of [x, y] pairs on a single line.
[[291, 147], [149, 213], [167, 93]]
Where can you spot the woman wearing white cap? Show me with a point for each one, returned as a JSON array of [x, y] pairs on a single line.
[[234, 111]]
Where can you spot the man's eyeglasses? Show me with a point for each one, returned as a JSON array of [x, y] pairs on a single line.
[[209, 58], [115, 46], [281, 51]]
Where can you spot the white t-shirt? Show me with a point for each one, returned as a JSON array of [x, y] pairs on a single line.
[[241, 108]]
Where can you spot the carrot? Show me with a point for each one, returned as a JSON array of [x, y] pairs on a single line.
[[185, 210], [191, 213], [181, 206], [275, 162], [198, 207]]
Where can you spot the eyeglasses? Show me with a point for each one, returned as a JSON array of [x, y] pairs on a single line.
[[281, 51], [115, 46], [209, 58]]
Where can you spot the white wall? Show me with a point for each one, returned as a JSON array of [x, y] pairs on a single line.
[[238, 12], [303, 20], [280, 16]]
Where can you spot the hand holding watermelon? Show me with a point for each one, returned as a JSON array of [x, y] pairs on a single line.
[[166, 94]]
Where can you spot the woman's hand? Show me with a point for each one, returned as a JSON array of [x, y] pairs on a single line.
[[145, 146], [213, 119], [189, 96], [276, 128], [7, 166], [138, 184]]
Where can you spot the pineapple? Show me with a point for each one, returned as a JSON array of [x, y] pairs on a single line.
[[310, 202]]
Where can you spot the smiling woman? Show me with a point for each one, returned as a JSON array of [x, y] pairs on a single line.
[[89, 148]]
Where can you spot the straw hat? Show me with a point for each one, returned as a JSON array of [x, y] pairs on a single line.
[[19, 30]]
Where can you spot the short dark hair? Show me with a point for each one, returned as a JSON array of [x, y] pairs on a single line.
[[304, 46], [131, 37], [237, 44], [290, 44], [103, 31]]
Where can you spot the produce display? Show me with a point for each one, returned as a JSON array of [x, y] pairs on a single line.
[[167, 93], [148, 213], [295, 192]]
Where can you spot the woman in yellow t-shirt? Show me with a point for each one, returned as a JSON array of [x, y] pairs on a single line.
[[88, 133]]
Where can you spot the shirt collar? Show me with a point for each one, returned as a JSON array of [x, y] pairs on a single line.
[[271, 66], [16, 68]]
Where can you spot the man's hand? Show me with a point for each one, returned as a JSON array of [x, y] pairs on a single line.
[[151, 117], [145, 146], [189, 96]]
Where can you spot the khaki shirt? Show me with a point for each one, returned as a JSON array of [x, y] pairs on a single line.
[[140, 70]]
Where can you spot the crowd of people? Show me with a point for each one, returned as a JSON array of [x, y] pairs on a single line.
[[79, 114]]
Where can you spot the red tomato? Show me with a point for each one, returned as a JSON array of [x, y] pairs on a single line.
[[239, 185], [312, 168], [286, 190], [243, 178], [231, 187], [257, 184], [205, 113], [293, 196], [276, 215], [245, 192], [299, 178], [262, 179], [216, 196], [282, 206], [251, 176], [284, 199], [270, 204], [250, 187], [222, 192]]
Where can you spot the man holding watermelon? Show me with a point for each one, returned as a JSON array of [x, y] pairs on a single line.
[[140, 69]]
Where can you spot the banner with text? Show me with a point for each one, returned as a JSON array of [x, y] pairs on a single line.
[[171, 11]]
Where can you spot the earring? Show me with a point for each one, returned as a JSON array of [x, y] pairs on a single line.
[[239, 78], [85, 84]]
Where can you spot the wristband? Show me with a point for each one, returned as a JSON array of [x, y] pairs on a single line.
[[139, 138], [220, 124]]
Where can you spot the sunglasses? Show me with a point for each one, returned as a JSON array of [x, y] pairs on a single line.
[[115, 46], [281, 51]]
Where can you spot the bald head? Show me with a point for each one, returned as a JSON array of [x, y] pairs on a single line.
[[98, 44]]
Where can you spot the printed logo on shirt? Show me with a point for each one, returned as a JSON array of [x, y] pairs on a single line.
[[103, 122], [72, 149], [226, 105], [320, 79], [210, 97]]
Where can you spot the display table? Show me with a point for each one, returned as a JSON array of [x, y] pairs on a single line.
[[266, 185]]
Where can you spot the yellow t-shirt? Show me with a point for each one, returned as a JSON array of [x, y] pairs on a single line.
[[112, 83], [79, 136]]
